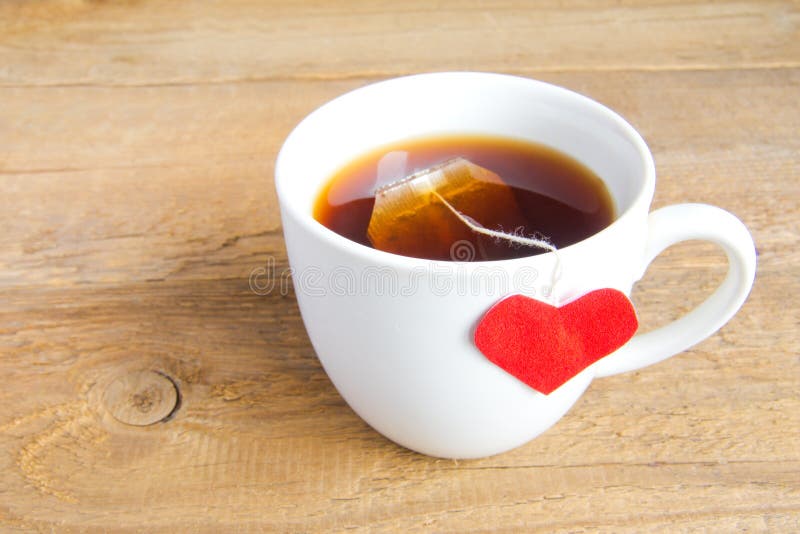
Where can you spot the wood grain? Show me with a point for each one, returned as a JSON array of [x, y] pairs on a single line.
[[166, 42], [137, 141]]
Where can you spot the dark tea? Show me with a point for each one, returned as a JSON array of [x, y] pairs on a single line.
[[557, 198]]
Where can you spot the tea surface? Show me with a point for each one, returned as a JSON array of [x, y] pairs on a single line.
[[560, 198]]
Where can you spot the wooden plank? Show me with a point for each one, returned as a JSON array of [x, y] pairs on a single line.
[[60, 42], [262, 438], [177, 183]]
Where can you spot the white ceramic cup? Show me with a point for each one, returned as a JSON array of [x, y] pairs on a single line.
[[395, 334]]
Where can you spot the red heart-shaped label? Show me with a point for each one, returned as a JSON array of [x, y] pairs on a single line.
[[545, 346]]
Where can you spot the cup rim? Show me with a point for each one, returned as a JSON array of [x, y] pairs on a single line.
[[371, 255]]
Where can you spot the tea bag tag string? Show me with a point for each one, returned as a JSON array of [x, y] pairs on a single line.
[[476, 227]]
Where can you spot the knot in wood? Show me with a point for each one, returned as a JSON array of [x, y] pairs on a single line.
[[141, 398]]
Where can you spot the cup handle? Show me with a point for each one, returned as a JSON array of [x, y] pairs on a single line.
[[666, 227]]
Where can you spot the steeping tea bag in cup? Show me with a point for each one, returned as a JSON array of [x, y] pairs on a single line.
[[403, 351], [431, 212]]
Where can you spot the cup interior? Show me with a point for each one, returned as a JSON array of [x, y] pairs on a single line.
[[462, 103]]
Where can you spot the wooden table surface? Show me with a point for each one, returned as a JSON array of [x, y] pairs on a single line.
[[146, 388]]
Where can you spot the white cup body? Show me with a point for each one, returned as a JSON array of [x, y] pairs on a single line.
[[395, 334]]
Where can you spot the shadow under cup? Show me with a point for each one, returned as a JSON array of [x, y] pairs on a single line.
[[405, 360]]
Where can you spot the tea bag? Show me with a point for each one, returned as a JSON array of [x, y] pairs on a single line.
[[430, 213]]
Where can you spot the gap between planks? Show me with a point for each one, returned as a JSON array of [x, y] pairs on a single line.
[[369, 75]]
